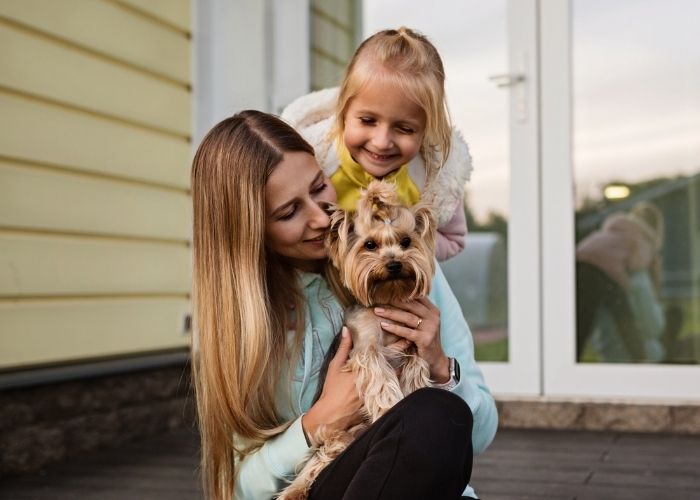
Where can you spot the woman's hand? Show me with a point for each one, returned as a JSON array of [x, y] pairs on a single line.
[[338, 408], [419, 321]]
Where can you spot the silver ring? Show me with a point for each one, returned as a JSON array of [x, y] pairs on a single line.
[[420, 320]]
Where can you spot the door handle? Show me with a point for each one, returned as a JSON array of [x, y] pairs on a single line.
[[507, 79]]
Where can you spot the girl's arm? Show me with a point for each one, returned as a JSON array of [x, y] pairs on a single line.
[[450, 236], [457, 342]]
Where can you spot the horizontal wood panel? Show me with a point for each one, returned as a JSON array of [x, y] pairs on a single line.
[[36, 265], [109, 29], [38, 198], [47, 332], [39, 132], [38, 66], [332, 39], [174, 12]]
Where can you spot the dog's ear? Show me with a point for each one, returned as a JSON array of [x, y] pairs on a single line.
[[338, 235], [426, 223]]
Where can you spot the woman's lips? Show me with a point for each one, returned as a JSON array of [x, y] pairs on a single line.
[[317, 240]]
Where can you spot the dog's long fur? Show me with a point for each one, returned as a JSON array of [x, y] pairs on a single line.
[[383, 253]]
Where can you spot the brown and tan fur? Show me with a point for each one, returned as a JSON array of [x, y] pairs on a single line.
[[383, 253]]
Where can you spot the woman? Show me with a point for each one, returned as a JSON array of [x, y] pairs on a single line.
[[265, 317]]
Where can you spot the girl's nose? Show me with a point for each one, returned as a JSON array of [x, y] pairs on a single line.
[[382, 138]]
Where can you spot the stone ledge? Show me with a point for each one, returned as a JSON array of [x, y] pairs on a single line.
[[674, 418], [46, 423]]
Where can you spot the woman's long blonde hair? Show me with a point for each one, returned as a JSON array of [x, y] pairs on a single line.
[[240, 318], [406, 59]]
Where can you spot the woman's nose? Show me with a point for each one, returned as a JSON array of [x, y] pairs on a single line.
[[319, 218]]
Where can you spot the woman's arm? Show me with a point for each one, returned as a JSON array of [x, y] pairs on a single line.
[[269, 469], [438, 329], [457, 342], [266, 472]]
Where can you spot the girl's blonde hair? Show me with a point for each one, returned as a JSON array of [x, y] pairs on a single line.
[[404, 58], [242, 293]]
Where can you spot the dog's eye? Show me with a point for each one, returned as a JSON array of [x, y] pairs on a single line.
[[405, 242], [370, 245]]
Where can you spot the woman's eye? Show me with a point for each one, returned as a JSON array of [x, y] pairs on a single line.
[[405, 242], [406, 130], [370, 245], [288, 215], [366, 121], [320, 188]]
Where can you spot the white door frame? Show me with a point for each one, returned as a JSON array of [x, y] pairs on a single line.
[[521, 375], [563, 376], [247, 54]]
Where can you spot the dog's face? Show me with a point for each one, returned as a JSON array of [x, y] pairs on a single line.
[[384, 252]]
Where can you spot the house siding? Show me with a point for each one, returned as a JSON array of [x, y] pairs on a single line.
[[95, 151], [334, 32]]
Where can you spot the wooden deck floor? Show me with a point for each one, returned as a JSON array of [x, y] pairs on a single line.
[[519, 464]]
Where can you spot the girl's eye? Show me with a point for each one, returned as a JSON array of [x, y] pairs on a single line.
[[370, 245], [406, 130], [366, 121], [405, 242], [320, 188]]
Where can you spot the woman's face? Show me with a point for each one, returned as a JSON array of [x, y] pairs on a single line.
[[295, 223]]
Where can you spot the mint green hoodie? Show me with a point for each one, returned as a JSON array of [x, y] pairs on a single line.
[[267, 471]]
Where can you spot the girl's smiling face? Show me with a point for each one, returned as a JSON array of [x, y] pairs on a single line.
[[383, 128], [295, 224]]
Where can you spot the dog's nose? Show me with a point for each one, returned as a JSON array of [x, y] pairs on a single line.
[[394, 267]]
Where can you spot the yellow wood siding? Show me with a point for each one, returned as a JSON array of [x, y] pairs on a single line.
[[49, 265], [38, 66], [76, 203], [45, 133], [333, 28], [95, 156], [176, 13], [105, 29], [77, 329]]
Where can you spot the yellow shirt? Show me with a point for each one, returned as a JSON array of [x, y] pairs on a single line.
[[350, 178]]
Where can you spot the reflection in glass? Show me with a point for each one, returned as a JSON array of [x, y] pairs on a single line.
[[472, 40], [637, 174]]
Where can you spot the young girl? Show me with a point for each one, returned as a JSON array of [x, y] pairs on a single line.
[[265, 317], [389, 120]]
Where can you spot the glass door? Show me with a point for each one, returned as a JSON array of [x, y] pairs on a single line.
[[621, 250], [490, 54]]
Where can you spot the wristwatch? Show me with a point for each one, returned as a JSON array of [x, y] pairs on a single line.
[[454, 376]]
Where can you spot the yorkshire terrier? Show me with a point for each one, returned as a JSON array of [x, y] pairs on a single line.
[[382, 253]]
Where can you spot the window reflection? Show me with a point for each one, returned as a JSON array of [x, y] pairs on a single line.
[[637, 173]]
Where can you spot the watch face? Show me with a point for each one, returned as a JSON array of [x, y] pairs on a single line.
[[457, 371]]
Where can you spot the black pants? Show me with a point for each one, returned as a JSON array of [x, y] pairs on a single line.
[[419, 449], [594, 289]]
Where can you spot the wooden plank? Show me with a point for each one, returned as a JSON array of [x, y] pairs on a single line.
[[36, 198], [37, 265], [46, 331], [648, 478], [630, 491], [39, 132], [79, 79], [173, 12], [108, 29]]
